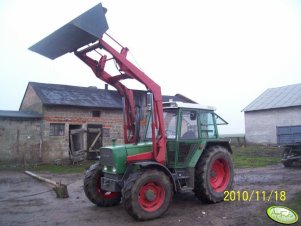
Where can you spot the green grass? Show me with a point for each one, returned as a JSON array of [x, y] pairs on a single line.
[[243, 157], [295, 203], [255, 156], [51, 168]]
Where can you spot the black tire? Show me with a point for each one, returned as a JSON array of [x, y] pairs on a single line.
[[213, 174], [93, 191], [285, 154], [287, 163], [147, 195]]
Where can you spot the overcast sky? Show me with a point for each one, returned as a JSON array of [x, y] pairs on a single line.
[[220, 53]]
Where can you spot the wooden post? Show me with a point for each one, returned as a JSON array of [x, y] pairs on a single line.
[[60, 189]]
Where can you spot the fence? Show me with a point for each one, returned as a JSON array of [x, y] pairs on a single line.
[[235, 139]]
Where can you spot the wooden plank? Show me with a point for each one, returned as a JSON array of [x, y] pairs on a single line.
[[95, 140], [75, 131], [94, 130], [71, 144], [59, 188], [41, 178]]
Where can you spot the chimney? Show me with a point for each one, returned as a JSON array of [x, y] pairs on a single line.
[[106, 86]]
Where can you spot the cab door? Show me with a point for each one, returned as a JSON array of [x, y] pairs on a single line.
[[188, 136]]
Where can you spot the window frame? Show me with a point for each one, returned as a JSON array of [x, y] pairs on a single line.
[[197, 135], [214, 132], [57, 129]]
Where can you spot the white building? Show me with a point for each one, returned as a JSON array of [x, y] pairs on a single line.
[[273, 108]]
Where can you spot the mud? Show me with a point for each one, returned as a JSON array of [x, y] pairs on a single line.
[[26, 201]]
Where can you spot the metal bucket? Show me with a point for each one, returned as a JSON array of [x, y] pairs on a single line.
[[84, 29]]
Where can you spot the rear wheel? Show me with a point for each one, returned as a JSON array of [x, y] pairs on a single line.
[[213, 175], [93, 191], [147, 195]]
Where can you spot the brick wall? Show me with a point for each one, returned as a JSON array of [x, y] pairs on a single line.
[[29, 140], [20, 140], [58, 146]]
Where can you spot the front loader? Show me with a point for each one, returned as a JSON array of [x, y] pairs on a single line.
[[168, 147]]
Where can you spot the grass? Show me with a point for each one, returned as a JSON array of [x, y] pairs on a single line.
[[295, 203], [51, 168], [243, 157], [255, 156]]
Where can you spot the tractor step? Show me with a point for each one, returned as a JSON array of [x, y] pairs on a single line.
[[183, 180]]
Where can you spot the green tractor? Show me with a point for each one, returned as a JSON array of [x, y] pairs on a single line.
[[168, 147], [196, 160]]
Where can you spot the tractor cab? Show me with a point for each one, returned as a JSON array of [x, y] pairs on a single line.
[[187, 128]]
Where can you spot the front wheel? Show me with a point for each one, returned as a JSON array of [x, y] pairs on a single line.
[[93, 191], [213, 174], [147, 195]]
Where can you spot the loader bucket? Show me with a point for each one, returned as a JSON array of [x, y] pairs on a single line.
[[84, 29]]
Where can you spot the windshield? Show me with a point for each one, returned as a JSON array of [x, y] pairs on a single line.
[[170, 123]]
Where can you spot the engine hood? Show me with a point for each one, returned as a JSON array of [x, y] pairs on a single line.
[[115, 157]]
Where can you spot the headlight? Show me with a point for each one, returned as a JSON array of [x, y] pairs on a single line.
[[109, 169]]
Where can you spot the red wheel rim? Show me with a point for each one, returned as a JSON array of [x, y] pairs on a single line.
[[151, 196], [105, 194], [219, 175]]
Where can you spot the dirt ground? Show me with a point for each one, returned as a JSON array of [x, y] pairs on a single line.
[[26, 201]]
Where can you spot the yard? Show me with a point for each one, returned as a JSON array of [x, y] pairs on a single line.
[[26, 201]]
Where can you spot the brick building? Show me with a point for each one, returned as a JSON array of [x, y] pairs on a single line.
[[56, 120]]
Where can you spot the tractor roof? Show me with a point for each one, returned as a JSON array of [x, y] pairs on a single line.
[[178, 104]]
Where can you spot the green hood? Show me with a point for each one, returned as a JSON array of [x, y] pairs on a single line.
[[115, 156]]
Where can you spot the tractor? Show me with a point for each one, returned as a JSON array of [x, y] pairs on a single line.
[[168, 147]]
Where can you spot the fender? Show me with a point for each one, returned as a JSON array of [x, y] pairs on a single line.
[[149, 164], [223, 143], [202, 148]]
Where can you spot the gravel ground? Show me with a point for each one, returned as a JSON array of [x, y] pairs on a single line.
[[26, 201]]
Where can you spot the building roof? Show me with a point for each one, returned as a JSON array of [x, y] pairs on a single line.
[[280, 97], [53, 94], [19, 114], [92, 97]]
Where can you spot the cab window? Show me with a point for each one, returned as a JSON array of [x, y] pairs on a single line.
[[170, 124], [207, 126], [189, 125]]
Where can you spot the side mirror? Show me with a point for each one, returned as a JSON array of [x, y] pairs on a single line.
[[192, 116]]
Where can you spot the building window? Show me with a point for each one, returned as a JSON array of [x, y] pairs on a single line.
[[57, 129], [96, 114]]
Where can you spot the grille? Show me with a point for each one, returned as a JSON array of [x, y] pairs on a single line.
[[106, 157]]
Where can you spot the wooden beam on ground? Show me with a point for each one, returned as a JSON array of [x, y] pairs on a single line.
[[60, 189]]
